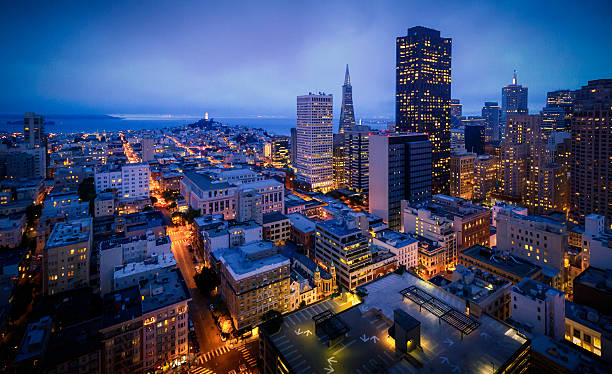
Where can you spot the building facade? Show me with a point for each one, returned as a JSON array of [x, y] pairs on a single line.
[[399, 169], [314, 140], [423, 95], [591, 149], [357, 158], [462, 175], [514, 101]]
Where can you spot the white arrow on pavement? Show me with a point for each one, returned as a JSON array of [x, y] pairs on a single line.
[[331, 360], [456, 368], [364, 338], [298, 332], [449, 342], [329, 370], [308, 332], [444, 360], [374, 338]]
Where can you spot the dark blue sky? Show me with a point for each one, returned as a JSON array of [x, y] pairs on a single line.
[[254, 57]]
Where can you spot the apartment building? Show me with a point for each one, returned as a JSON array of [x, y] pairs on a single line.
[[129, 181]]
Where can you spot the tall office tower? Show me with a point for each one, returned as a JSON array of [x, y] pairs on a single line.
[[148, 150], [357, 158], [279, 152], [33, 129], [458, 140], [456, 112], [516, 153], [339, 161], [591, 151], [347, 112], [315, 140], [514, 101], [485, 169], [462, 175], [491, 114], [475, 137], [400, 169], [422, 99], [293, 154], [553, 120], [563, 99]]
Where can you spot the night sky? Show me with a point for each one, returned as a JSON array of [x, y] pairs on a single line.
[[254, 57]]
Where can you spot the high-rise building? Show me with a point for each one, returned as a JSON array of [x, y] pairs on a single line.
[[400, 169], [462, 175], [315, 140], [339, 161], [591, 151], [357, 158], [491, 113], [33, 129], [347, 112], [553, 120], [279, 152], [514, 101], [456, 112], [293, 153], [515, 153], [485, 169], [148, 149], [563, 99], [475, 136], [422, 99]]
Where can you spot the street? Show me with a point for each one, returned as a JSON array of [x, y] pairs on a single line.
[[215, 356]]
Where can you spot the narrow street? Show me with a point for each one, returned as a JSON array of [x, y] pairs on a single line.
[[205, 329]]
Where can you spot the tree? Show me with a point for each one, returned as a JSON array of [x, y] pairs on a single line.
[[153, 200], [87, 192], [206, 281], [33, 212]]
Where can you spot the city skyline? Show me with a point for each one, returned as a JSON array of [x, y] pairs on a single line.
[[168, 60]]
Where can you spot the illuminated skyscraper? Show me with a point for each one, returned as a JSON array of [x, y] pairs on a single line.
[[591, 167], [357, 158], [456, 111], [514, 101], [462, 175], [423, 95], [563, 99], [347, 112], [491, 114], [516, 150], [553, 120], [339, 161], [315, 140], [484, 177]]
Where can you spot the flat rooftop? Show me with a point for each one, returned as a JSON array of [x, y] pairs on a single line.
[[396, 239], [241, 267], [273, 217], [367, 348], [266, 183], [535, 290], [510, 264], [301, 222], [165, 290], [71, 232]]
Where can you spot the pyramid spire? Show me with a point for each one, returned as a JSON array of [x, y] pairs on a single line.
[[347, 77]]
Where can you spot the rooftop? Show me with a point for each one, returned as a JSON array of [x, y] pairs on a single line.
[[535, 290], [471, 283], [71, 232], [367, 348], [155, 262], [240, 264], [273, 217], [166, 289], [339, 227], [395, 239], [261, 184], [121, 306], [508, 263], [301, 222], [589, 317], [205, 182]]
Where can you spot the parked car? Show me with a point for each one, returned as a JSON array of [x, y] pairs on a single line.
[[243, 368]]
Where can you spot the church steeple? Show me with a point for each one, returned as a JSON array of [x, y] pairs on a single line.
[[347, 77]]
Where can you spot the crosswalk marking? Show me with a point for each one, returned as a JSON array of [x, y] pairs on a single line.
[[217, 352], [201, 370]]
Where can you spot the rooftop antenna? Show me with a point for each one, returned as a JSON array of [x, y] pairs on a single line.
[[514, 79]]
